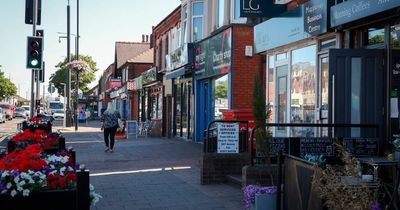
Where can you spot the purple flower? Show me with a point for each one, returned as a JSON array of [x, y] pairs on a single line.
[[3, 186], [15, 173], [250, 192], [77, 166], [376, 206], [46, 168]]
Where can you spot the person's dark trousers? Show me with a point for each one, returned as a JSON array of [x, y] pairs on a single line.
[[109, 136]]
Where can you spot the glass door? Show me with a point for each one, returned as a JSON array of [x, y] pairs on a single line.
[[281, 99], [323, 93]]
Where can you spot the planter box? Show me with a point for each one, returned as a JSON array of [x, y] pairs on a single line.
[[61, 146], [46, 200]]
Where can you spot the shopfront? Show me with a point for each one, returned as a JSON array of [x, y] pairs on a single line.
[[180, 63], [152, 100], [371, 31], [297, 80], [212, 79]]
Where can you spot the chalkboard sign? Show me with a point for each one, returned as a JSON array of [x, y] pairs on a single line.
[[316, 146], [132, 127], [361, 146], [279, 144]]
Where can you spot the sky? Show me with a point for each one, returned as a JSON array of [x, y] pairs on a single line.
[[102, 23]]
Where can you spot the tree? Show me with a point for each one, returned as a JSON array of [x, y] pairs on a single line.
[[85, 78], [221, 90], [7, 88], [262, 134]]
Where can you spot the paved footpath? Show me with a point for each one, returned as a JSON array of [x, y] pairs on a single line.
[[148, 173]]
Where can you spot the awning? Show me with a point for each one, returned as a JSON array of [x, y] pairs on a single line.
[[176, 73]]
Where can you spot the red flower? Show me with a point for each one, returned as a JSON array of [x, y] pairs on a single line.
[[23, 159]]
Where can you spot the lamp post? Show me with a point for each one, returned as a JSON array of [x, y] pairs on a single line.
[[65, 114]]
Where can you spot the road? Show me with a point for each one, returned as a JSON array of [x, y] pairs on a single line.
[[9, 127]]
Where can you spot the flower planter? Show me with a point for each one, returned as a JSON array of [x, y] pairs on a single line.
[[61, 146], [265, 201], [46, 200]]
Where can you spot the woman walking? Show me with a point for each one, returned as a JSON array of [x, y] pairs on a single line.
[[109, 123]]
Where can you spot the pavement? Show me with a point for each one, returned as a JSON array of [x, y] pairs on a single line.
[[147, 173]]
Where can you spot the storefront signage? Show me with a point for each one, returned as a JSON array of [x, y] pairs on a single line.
[[315, 17], [213, 55], [115, 83], [138, 83], [356, 9], [228, 138], [261, 8], [277, 145], [361, 146], [290, 30], [180, 57], [149, 76]]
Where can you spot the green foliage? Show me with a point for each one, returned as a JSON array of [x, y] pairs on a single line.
[[260, 114], [85, 78], [221, 90], [7, 88]]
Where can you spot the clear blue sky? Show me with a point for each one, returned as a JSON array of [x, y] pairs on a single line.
[[102, 23]]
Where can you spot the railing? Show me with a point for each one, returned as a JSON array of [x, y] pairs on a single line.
[[243, 135], [376, 127]]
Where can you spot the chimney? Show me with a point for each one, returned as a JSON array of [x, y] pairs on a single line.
[[142, 38], [147, 38]]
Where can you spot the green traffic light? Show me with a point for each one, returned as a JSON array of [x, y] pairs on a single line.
[[34, 62]]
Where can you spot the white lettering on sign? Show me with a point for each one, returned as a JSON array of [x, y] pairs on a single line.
[[228, 138]]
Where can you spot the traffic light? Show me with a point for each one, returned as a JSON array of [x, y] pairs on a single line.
[[34, 52], [29, 11]]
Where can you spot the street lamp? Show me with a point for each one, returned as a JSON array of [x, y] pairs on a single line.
[[65, 114]]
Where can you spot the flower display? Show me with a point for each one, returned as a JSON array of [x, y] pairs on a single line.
[[78, 65], [26, 170], [250, 192], [28, 137]]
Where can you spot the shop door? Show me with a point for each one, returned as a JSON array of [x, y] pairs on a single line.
[[356, 90], [281, 99], [204, 108]]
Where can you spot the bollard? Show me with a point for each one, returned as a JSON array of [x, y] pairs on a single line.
[[83, 191]]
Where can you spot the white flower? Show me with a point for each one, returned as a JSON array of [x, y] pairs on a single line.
[[70, 168], [26, 192], [16, 179], [13, 193], [64, 159], [9, 185], [91, 187], [5, 173], [30, 180], [22, 183], [20, 188]]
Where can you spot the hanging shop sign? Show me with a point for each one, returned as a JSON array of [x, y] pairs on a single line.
[[228, 138], [315, 17], [131, 85], [149, 76], [213, 55], [115, 83], [356, 9], [263, 8], [138, 83], [180, 57]]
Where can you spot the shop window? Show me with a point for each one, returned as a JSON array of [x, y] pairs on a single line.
[[395, 37], [220, 96], [376, 36], [281, 56], [197, 21], [326, 44], [271, 89], [303, 86]]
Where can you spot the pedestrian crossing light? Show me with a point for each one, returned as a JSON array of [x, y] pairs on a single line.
[[34, 52]]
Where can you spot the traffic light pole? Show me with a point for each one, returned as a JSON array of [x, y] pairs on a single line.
[[34, 19], [68, 115]]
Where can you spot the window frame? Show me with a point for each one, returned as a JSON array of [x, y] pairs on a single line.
[[239, 19], [197, 17]]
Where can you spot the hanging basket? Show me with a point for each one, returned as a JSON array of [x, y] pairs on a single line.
[[78, 65]]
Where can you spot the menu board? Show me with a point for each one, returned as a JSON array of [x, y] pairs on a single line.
[[132, 127], [361, 146], [279, 144], [317, 146]]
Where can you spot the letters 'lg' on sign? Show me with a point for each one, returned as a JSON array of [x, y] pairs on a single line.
[[262, 8]]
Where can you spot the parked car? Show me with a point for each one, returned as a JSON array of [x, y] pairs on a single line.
[[27, 109], [2, 117], [20, 112], [58, 114], [8, 110]]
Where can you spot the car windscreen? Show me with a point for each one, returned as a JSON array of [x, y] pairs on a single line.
[[56, 106], [5, 106], [20, 110]]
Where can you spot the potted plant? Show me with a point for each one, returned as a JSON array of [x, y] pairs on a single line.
[[257, 197]]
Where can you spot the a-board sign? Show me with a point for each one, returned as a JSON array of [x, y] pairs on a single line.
[[228, 138], [132, 127], [361, 146], [316, 146]]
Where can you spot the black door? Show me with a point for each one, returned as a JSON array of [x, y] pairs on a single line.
[[356, 90]]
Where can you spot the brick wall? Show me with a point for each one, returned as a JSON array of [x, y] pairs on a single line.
[[244, 68], [136, 69], [215, 167]]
